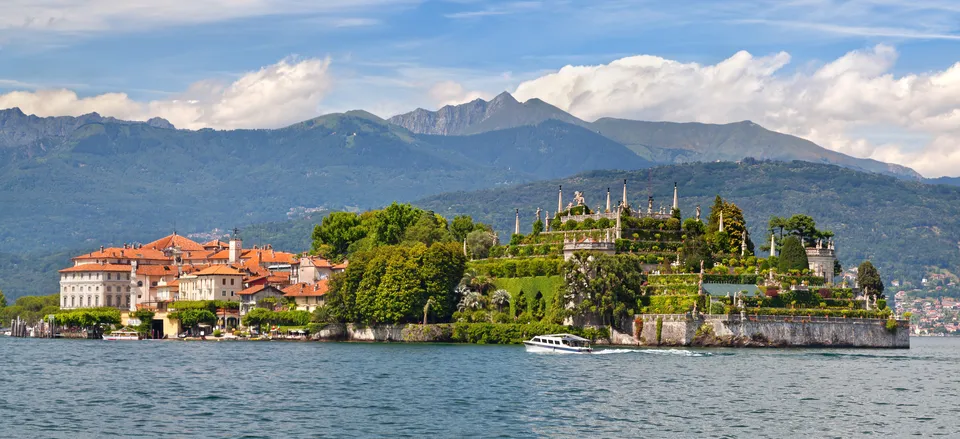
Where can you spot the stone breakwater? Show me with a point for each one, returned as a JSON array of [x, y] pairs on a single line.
[[761, 331]]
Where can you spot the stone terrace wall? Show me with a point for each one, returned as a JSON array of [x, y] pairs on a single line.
[[732, 330]]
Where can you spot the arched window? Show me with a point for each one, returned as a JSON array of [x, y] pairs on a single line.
[[97, 300], [73, 302]]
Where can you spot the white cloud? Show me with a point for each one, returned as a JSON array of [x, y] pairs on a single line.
[[283, 93], [453, 93], [833, 105], [74, 16]]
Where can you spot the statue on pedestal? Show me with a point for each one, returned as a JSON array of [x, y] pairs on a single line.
[[578, 198], [698, 212], [649, 205]]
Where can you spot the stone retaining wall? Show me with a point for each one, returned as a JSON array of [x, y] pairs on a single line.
[[732, 330]]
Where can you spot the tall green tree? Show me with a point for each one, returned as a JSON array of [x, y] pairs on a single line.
[[479, 243], [868, 278], [696, 249], [803, 227], [389, 225], [792, 255], [461, 226], [428, 229], [333, 236], [3, 300], [602, 286]]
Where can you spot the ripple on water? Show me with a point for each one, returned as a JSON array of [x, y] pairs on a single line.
[[279, 390]]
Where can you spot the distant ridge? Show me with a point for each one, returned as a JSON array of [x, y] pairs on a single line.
[[658, 142]]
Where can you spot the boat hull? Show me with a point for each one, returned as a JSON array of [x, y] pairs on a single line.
[[554, 349], [121, 337]]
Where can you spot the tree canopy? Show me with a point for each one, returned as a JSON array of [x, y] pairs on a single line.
[[868, 278], [792, 255], [392, 284]]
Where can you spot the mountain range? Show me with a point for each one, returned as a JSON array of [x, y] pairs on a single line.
[[658, 142], [71, 184]]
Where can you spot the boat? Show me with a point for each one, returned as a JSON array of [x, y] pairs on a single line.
[[122, 335], [559, 343]]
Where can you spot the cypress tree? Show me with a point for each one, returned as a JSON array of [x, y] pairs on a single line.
[[792, 255], [868, 278]]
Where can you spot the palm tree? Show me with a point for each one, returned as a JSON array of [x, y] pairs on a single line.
[[470, 301], [426, 308], [500, 298]]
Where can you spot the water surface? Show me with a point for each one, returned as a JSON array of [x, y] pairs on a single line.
[[81, 389]]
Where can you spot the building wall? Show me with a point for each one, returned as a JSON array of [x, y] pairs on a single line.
[[309, 303], [211, 287], [94, 289]]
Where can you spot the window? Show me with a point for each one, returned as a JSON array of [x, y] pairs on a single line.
[[231, 281], [109, 276], [97, 299], [73, 302], [224, 281], [73, 289], [109, 288], [109, 300], [231, 294], [223, 293]]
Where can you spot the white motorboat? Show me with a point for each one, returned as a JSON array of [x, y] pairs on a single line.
[[122, 335], [559, 343]]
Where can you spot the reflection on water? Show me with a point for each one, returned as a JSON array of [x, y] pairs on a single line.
[[77, 389]]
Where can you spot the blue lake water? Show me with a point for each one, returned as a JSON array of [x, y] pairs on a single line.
[[81, 389]]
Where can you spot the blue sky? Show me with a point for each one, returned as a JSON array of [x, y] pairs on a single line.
[[390, 56]]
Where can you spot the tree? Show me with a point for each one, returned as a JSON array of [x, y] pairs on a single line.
[[537, 227], [388, 226], [479, 243], [461, 226], [470, 301], [696, 249], [3, 300], [428, 229], [255, 318], [792, 255], [868, 278], [804, 227], [603, 286], [333, 236], [500, 298], [777, 223]]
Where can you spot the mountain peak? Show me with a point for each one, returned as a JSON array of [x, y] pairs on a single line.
[[504, 97]]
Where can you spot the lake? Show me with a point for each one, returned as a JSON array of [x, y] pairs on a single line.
[[88, 388]]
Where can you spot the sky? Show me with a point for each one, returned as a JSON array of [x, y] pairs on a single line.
[[870, 78]]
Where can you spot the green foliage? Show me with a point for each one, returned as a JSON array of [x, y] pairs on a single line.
[[3, 300], [30, 308], [891, 325], [217, 333], [537, 227], [868, 278], [333, 236], [668, 304], [792, 256], [518, 267], [696, 249], [461, 227], [479, 243], [191, 318], [659, 329], [604, 286], [391, 284], [146, 319], [88, 317]]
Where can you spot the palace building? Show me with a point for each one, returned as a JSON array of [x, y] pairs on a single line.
[[146, 276]]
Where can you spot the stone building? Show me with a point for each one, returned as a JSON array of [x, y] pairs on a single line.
[[212, 283], [821, 259]]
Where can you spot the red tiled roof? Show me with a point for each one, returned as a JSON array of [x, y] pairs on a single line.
[[157, 270], [87, 268], [307, 290], [221, 270], [252, 290], [175, 240], [125, 253]]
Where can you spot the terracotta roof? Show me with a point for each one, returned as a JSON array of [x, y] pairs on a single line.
[[87, 268], [157, 270], [221, 270], [216, 243], [175, 240], [125, 253], [307, 290], [252, 290]]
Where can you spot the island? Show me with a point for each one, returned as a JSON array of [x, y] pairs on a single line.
[[616, 274]]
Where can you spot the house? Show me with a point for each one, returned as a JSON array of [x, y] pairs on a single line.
[[216, 282], [308, 296], [250, 297]]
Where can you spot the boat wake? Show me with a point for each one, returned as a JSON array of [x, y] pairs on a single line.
[[680, 352]]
